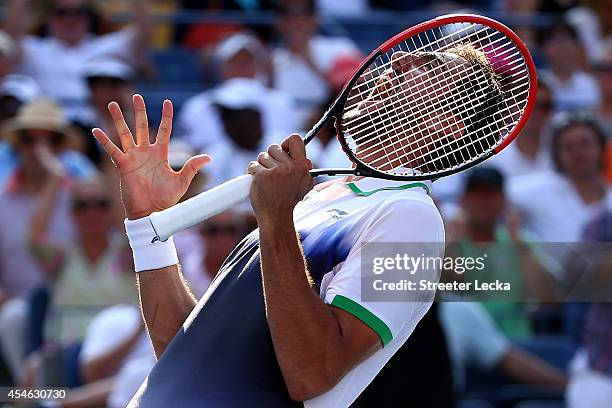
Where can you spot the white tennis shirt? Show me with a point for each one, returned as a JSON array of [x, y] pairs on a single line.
[[376, 211]]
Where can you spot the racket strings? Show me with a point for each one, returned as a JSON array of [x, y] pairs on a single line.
[[388, 123], [433, 86], [384, 66], [400, 112], [399, 108], [434, 142], [430, 44]]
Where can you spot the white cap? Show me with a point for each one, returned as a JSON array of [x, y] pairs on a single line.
[[109, 68], [240, 93], [237, 42], [21, 87], [178, 153]]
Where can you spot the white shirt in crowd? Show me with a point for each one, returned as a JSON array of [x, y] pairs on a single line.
[[581, 91], [511, 162], [201, 127], [111, 327], [231, 161], [474, 341], [551, 208], [587, 388], [107, 330], [294, 76], [329, 156], [59, 68]]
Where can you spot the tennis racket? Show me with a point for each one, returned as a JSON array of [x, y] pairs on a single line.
[[433, 100]]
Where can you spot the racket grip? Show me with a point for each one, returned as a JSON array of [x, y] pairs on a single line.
[[201, 207]]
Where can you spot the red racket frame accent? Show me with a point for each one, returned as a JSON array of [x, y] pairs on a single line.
[[472, 18]]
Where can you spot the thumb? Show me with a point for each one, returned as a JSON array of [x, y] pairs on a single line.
[[193, 165]]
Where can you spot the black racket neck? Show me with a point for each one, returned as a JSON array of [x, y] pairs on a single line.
[[326, 117], [334, 172]]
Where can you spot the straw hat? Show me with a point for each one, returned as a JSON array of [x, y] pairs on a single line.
[[41, 114]]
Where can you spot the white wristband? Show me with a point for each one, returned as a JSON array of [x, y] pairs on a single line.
[[148, 254]]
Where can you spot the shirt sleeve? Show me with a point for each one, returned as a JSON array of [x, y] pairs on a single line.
[[107, 330], [396, 222], [485, 343]]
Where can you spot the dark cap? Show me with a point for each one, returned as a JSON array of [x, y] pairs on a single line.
[[487, 177]]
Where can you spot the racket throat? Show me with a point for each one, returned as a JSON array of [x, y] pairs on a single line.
[[335, 172]]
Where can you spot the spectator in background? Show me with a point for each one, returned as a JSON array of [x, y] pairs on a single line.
[[91, 274], [572, 87], [529, 153], [242, 118], [475, 342], [593, 22], [220, 234], [40, 123], [242, 61], [115, 357], [509, 258], [162, 32], [590, 384], [207, 33], [57, 61], [8, 53], [556, 205], [87, 276], [15, 90], [603, 73], [43, 111], [304, 57], [603, 70], [108, 79]]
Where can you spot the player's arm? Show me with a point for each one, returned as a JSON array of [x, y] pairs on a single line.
[[315, 344], [166, 301], [148, 184]]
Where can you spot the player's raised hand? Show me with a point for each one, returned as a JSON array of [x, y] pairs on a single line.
[[148, 184]]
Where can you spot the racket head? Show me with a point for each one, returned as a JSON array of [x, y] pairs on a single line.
[[426, 126]]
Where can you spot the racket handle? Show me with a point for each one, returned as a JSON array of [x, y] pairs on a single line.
[[201, 207]]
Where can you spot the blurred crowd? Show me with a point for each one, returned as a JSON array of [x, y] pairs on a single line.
[[68, 303]]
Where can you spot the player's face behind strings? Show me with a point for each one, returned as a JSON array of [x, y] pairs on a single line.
[[428, 111]]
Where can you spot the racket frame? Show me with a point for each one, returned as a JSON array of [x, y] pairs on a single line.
[[336, 109]]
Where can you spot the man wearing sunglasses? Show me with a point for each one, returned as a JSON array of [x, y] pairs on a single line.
[[35, 135], [57, 61]]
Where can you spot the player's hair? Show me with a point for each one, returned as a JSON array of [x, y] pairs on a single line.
[[480, 85]]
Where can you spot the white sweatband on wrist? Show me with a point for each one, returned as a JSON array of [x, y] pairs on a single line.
[[149, 254]]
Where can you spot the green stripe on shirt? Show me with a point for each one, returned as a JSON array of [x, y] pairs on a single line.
[[363, 314], [360, 192]]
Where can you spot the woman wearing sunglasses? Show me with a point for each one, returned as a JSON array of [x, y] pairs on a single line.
[[89, 276]]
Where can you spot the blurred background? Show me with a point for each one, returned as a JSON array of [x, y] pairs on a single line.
[[243, 74]]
